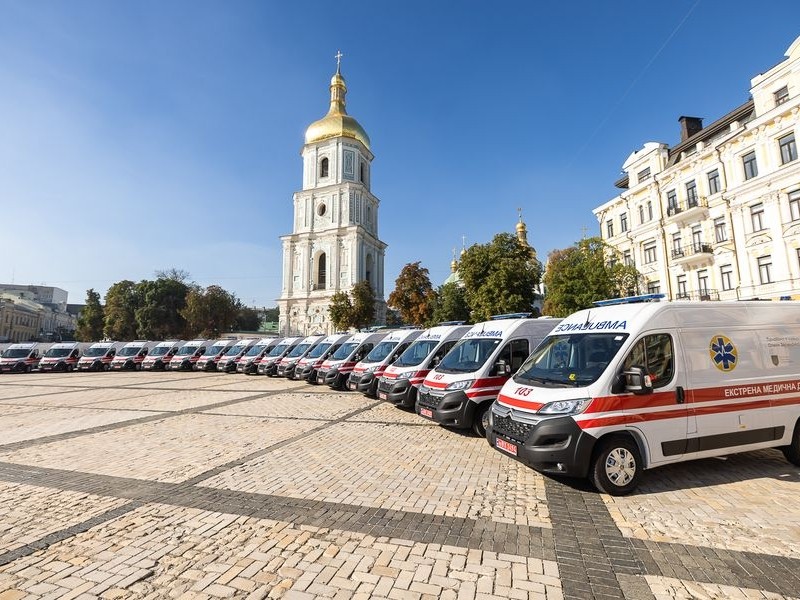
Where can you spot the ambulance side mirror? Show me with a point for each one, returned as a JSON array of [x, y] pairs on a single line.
[[637, 381], [502, 368]]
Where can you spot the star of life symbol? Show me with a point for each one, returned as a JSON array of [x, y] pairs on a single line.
[[723, 353]]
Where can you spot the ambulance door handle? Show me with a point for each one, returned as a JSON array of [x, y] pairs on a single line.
[[679, 397]]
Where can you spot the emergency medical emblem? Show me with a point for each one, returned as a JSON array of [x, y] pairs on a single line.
[[723, 353]]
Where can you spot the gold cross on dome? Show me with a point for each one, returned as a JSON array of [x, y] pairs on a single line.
[[339, 56], [519, 210]]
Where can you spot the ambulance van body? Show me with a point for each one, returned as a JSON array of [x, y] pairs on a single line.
[[401, 380], [248, 364], [335, 370], [366, 374], [98, 357], [208, 361], [187, 356], [228, 361], [63, 356], [632, 385], [131, 356], [20, 358], [459, 392], [160, 356], [269, 362], [288, 363], [308, 366]]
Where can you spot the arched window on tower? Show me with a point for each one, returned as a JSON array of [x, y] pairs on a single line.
[[368, 272], [322, 268], [323, 167], [361, 172]]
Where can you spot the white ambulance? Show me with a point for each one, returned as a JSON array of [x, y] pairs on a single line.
[[367, 373], [337, 367], [459, 392], [248, 364], [208, 361], [636, 383], [401, 380], [307, 366], [98, 357], [160, 356], [187, 355], [269, 362], [130, 356], [228, 361], [62, 356], [20, 358], [288, 363]]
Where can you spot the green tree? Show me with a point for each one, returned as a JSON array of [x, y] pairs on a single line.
[[451, 304], [363, 299], [209, 312], [499, 277], [271, 315], [120, 311], [91, 319], [581, 274], [247, 319], [340, 311], [413, 294], [160, 304]]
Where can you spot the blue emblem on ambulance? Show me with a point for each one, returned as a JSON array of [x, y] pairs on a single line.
[[723, 353]]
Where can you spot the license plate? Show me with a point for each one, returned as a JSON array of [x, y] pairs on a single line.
[[382, 396], [506, 446], [425, 412], [351, 385]]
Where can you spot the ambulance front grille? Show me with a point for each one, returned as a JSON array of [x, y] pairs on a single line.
[[509, 428]]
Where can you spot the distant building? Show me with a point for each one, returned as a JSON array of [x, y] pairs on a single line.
[[20, 319], [54, 319], [717, 216]]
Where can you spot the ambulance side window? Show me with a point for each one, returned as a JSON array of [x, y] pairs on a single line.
[[443, 349], [655, 353], [514, 354]]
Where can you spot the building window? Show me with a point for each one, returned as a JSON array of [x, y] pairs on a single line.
[[649, 210], [765, 269], [682, 293], [781, 96], [322, 264], [750, 166], [713, 182], [623, 222], [650, 252], [697, 238], [643, 174], [677, 251], [627, 260], [757, 216], [323, 167], [653, 287], [362, 173], [672, 203], [725, 274], [609, 228], [794, 205], [788, 148], [691, 194], [720, 230], [641, 213], [702, 284]]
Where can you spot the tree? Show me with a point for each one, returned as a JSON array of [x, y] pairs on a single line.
[[499, 277], [271, 315], [413, 294], [180, 275], [363, 299], [581, 274], [340, 311], [121, 304], [159, 313], [91, 319], [451, 304], [247, 319], [209, 312]]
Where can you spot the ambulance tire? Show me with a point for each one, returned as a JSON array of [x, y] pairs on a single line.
[[617, 466], [481, 419], [792, 451]]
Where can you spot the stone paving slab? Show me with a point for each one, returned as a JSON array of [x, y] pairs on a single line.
[[169, 401], [295, 406], [386, 412], [18, 389], [431, 471], [81, 397], [13, 409], [668, 588], [27, 512]]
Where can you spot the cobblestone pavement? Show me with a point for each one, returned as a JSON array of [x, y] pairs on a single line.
[[201, 485]]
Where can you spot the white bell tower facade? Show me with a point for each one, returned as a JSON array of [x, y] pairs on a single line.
[[334, 242]]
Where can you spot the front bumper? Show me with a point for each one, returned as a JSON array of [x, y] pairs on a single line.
[[95, 365], [366, 383], [551, 445], [269, 369], [248, 368], [309, 373], [286, 370], [397, 391], [12, 367], [156, 365], [180, 365], [453, 409], [228, 366], [59, 366], [334, 379]]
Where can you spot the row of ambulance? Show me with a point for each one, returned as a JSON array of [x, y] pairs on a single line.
[[605, 394]]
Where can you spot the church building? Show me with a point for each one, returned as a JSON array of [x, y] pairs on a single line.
[[334, 242]]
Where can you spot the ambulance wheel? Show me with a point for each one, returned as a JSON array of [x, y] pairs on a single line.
[[617, 466], [28, 368], [481, 419], [792, 451]]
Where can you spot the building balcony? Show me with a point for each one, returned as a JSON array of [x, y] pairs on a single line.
[[703, 295], [692, 253], [688, 211]]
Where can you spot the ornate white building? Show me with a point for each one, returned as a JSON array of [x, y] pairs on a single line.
[[334, 241], [717, 216]]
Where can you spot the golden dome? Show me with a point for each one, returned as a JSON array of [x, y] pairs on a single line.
[[521, 227], [337, 123]]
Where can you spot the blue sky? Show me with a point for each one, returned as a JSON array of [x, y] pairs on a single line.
[[137, 136]]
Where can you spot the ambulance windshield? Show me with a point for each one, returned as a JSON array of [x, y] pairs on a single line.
[[574, 360], [57, 352], [101, 351], [416, 353], [468, 355], [380, 352], [319, 350], [16, 352]]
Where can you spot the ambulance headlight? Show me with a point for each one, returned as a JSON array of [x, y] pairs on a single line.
[[565, 407], [405, 375], [370, 369], [461, 385]]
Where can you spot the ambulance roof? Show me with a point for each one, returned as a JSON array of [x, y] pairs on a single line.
[[336, 337], [311, 339], [135, 344], [400, 335], [102, 345], [167, 344], [22, 346], [194, 343], [440, 332], [61, 345]]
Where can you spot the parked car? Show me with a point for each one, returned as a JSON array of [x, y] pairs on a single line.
[[130, 356], [187, 356], [98, 357], [228, 361], [20, 358], [63, 356], [308, 366], [160, 356], [336, 369], [208, 361], [365, 374], [288, 363], [248, 364]]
